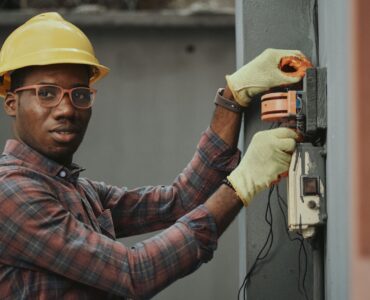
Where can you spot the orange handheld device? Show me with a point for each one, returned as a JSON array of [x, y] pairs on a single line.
[[285, 108]]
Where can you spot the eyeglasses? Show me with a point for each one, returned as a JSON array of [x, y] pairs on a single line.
[[51, 95]]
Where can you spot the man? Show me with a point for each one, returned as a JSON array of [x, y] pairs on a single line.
[[58, 230]]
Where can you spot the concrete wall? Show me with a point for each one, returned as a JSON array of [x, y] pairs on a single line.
[[286, 24], [148, 117]]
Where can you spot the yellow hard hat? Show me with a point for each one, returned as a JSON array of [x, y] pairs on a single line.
[[44, 40]]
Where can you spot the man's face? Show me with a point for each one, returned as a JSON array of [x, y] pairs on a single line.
[[55, 132]]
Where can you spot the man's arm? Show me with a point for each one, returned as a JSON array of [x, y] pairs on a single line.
[[226, 123], [39, 234], [223, 205]]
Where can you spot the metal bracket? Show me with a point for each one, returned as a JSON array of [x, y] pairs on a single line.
[[314, 102]]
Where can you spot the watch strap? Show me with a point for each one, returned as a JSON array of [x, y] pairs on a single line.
[[227, 103]]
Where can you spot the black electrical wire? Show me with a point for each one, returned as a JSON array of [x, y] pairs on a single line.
[[301, 240], [275, 125], [265, 250], [302, 247], [269, 241]]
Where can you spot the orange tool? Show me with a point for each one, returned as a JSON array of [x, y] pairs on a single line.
[[279, 106]]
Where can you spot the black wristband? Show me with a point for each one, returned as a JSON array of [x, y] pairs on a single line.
[[226, 103], [228, 183]]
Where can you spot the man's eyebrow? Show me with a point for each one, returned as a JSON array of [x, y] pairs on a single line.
[[73, 85], [46, 82], [80, 85]]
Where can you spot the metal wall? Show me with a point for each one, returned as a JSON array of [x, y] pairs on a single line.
[[335, 45], [291, 24], [149, 114], [285, 24]]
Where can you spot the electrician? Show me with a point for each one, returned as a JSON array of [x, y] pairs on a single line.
[[59, 230]]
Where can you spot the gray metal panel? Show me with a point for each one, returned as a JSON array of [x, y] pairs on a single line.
[[287, 24], [334, 24], [240, 21], [310, 98], [322, 105], [148, 117]]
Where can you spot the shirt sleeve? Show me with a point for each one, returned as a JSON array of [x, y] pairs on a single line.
[[37, 233], [152, 208]]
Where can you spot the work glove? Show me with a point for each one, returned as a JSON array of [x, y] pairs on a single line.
[[267, 157], [273, 67]]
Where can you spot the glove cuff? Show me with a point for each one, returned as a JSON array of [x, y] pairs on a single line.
[[242, 99], [244, 196]]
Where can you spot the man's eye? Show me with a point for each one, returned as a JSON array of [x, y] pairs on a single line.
[[81, 96], [47, 93]]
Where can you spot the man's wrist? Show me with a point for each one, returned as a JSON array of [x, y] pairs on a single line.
[[228, 94], [227, 102], [226, 124], [223, 205]]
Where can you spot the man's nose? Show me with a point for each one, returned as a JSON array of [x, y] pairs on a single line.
[[65, 107]]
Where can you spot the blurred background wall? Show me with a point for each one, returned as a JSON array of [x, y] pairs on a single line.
[[117, 4], [151, 109]]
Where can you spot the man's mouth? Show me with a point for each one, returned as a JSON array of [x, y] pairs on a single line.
[[64, 135], [64, 132]]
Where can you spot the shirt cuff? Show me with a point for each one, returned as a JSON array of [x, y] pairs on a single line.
[[204, 230], [216, 154]]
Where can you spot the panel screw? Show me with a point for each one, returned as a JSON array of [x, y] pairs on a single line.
[[311, 204]]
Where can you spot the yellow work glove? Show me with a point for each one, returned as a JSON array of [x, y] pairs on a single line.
[[273, 67], [267, 156]]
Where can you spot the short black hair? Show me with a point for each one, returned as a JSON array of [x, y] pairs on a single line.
[[18, 77]]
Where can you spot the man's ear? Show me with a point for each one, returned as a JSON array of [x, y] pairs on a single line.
[[10, 104]]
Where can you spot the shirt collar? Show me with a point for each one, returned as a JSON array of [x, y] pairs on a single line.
[[38, 162]]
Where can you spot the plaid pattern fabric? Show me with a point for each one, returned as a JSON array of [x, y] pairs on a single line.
[[58, 230]]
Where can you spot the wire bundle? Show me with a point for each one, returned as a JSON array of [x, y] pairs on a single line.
[[299, 238], [265, 250]]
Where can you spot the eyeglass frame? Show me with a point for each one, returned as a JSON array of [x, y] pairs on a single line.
[[36, 88]]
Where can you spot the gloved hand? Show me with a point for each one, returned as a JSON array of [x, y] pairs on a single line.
[[267, 156], [267, 70]]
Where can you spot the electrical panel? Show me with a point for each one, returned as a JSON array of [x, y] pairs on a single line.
[[306, 189], [306, 182], [304, 110]]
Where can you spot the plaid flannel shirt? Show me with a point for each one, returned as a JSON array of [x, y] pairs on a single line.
[[58, 230]]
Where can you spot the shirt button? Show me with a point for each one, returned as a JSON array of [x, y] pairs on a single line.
[[62, 174]]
